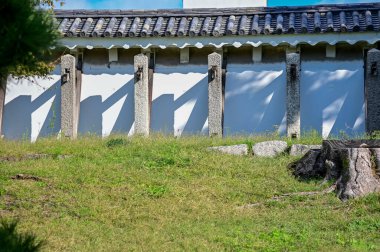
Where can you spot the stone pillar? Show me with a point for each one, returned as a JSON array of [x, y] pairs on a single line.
[[142, 113], [293, 118], [372, 91], [69, 97], [3, 87], [215, 95]]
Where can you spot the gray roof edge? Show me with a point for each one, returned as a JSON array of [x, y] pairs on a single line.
[[217, 11]]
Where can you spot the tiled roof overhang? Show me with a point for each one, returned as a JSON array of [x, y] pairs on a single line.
[[217, 27]]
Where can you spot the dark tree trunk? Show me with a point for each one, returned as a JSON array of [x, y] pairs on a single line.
[[355, 165]]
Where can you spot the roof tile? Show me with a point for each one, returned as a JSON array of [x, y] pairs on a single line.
[[219, 22]]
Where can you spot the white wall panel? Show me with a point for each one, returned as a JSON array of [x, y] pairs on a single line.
[[107, 99], [332, 97], [180, 100], [32, 107], [255, 99]]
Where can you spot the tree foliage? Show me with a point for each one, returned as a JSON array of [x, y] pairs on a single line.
[[27, 35], [11, 240], [51, 3]]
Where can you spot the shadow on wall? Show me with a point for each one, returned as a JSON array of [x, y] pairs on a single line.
[[180, 100], [19, 112], [255, 99], [332, 98], [198, 95], [92, 111], [162, 117]]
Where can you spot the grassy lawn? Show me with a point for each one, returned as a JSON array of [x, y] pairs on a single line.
[[168, 194]]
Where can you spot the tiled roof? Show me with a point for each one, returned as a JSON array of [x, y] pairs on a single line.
[[220, 22]]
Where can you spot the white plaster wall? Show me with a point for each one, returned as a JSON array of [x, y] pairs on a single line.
[[32, 107], [107, 99], [332, 100], [180, 100], [255, 99], [332, 97], [223, 3]]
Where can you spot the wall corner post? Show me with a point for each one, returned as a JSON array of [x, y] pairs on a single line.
[[3, 87], [293, 103], [215, 95], [142, 111], [69, 97], [372, 91]]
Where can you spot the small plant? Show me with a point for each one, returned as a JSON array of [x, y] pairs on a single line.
[[281, 240], [11, 241], [375, 134], [156, 191], [160, 162], [276, 131], [56, 150], [343, 135], [116, 142]]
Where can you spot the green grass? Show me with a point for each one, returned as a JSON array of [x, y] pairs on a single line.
[[168, 194]]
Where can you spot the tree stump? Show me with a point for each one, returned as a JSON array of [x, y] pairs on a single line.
[[310, 165], [355, 165]]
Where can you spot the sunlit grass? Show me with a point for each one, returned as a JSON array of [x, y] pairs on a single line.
[[165, 193]]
